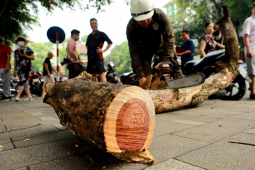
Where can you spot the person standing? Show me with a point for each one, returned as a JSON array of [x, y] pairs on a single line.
[[249, 41], [149, 32], [94, 44], [47, 71], [22, 65], [208, 44], [5, 66], [188, 45], [72, 54]]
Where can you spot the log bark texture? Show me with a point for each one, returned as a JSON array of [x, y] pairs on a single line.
[[119, 119], [227, 70]]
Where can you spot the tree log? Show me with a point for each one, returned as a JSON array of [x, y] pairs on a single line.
[[119, 119], [227, 70]]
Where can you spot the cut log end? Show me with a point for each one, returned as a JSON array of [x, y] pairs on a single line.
[[132, 125]]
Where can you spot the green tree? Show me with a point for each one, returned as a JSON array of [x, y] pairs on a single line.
[[84, 38], [121, 58], [40, 52], [16, 19]]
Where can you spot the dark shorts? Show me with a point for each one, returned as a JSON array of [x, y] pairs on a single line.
[[96, 66]]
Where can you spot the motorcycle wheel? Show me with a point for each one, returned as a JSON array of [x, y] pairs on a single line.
[[236, 90], [38, 89]]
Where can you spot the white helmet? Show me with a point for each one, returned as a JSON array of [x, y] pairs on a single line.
[[141, 9]]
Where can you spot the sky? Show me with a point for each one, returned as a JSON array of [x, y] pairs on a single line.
[[113, 21]]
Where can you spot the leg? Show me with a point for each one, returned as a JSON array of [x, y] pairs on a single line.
[[102, 77], [21, 88], [6, 77], [252, 84], [94, 78], [27, 90]]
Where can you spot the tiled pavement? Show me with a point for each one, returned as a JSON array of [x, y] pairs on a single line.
[[31, 138]]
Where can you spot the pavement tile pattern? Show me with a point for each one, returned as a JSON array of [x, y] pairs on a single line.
[[214, 135]]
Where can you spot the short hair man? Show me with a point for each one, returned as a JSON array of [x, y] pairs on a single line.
[[249, 41], [188, 45], [94, 44], [47, 70], [149, 32], [72, 53], [5, 66]]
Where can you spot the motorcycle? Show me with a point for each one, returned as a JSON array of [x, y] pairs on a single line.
[[235, 91], [36, 83], [111, 74]]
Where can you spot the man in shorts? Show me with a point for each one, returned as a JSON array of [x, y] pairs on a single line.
[[47, 71], [249, 41]]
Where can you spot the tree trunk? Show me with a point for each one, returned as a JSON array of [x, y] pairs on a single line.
[[227, 70], [119, 119]]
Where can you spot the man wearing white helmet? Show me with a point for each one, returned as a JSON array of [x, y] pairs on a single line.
[[149, 32]]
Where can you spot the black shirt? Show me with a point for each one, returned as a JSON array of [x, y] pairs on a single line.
[[94, 41], [47, 60]]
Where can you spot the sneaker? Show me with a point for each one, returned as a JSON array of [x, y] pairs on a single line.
[[16, 99], [6, 98], [28, 99]]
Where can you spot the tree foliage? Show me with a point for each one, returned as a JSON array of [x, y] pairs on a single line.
[[194, 14], [121, 58], [16, 17]]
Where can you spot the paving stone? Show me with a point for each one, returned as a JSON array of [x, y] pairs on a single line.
[[189, 122], [59, 126], [169, 146], [163, 128], [223, 155], [6, 144], [36, 114], [216, 131], [27, 129], [250, 131], [213, 117], [172, 165], [246, 116], [24, 168], [2, 128], [29, 140], [26, 156], [49, 118]]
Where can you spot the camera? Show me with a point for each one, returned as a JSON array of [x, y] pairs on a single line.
[[66, 60]]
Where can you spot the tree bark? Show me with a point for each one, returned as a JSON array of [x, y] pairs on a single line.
[[227, 70], [119, 119]]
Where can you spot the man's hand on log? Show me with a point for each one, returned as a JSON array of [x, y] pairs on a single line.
[[142, 83]]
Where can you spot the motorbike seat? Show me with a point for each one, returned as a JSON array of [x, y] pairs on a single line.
[[207, 59]]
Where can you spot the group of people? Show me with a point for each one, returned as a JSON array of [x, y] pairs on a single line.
[[22, 67], [94, 45], [148, 33]]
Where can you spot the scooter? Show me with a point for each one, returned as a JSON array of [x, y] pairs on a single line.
[[111, 74], [235, 91], [35, 82]]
